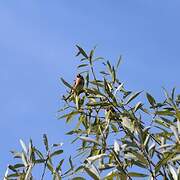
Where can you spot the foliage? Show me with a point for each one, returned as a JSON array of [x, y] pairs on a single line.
[[118, 137], [30, 157]]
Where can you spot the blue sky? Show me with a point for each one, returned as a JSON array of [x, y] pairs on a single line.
[[37, 47]]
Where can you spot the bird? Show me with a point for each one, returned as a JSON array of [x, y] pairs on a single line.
[[77, 87]]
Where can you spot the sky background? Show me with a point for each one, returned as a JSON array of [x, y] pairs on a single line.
[[37, 47]]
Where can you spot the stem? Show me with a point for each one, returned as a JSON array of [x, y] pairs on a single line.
[[93, 73], [120, 164], [150, 162], [45, 166]]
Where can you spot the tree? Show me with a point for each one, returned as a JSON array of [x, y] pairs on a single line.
[[118, 136]]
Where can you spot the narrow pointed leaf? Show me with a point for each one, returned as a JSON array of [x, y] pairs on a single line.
[[175, 131], [138, 106], [135, 174], [150, 99], [81, 51], [45, 140], [82, 65], [133, 96], [94, 158], [116, 147], [87, 139], [23, 145], [92, 171], [173, 172], [66, 83], [55, 153], [163, 161], [119, 61]]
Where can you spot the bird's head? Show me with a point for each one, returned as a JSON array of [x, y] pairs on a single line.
[[79, 76]]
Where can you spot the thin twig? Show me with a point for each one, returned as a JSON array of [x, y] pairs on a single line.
[[45, 166]]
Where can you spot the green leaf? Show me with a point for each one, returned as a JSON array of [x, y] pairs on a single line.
[[118, 63], [82, 65], [164, 113], [150, 99], [140, 157], [91, 159], [92, 171], [168, 99], [112, 174], [16, 154], [173, 92], [63, 109], [163, 161], [173, 172], [81, 51], [24, 159], [126, 93], [104, 73], [126, 122], [16, 166], [87, 139], [66, 83], [50, 167], [176, 158], [77, 100], [28, 172], [163, 122], [178, 126], [113, 75], [109, 67], [56, 145], [135, 174], [94, 92], [175, 131], [45, 140], [70, 162], [151, 149], [146, 140], [114, 128], [106, 166], [98, 58], [108, 90], [133, 96], [69, 116], [79, 169], [97, 83], [40, 155], [31, 150], [118, 88], [106, 86], [101, 104], [6, 173], [138, 106], [91, 55], [56, 176], [55, 153], [23, 145], [116, 147], [13, 175], [12, 168], [59, 165]]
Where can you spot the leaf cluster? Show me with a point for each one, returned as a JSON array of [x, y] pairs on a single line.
[[117, 136]]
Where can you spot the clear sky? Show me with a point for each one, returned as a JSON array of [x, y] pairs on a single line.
[[37, 47]]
